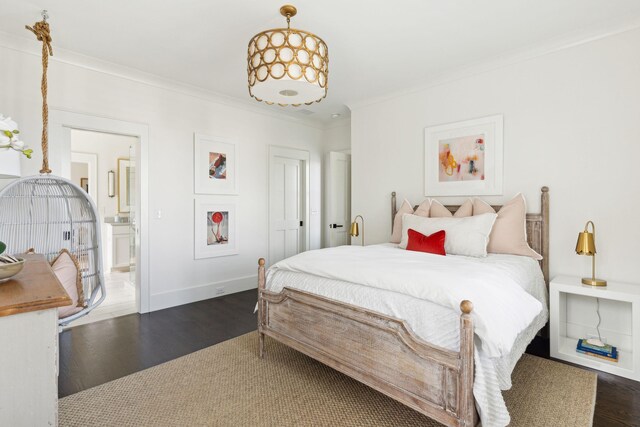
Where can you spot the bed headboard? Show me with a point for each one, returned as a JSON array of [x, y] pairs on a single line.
[[537, 227]]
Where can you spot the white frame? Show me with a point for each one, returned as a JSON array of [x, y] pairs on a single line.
[[202, 146], [60, 124], [206, 204], [492, 127], [122, 185]]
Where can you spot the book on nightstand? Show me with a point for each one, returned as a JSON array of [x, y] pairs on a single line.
[[607, 352], [610, 359]]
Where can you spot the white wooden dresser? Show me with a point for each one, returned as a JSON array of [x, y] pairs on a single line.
[[29, 345]]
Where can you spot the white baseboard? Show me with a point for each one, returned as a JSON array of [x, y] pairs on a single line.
[[199, 293]]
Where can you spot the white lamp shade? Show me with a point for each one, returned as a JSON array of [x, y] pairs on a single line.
[[288, 91], [9, 163]]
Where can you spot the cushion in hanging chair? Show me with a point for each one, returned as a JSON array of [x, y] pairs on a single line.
[[65, 267]]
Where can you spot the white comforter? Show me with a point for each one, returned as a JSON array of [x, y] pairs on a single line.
[[501, 308], [425, 290]]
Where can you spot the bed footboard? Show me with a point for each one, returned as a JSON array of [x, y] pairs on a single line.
[[377, 350]]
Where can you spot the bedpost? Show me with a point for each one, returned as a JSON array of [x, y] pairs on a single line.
[[468, 414], [544, 209], [261, 303], [394, 208]]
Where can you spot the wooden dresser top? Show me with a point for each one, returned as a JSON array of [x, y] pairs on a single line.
[[36, 287]]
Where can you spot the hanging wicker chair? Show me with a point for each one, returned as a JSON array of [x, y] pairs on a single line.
[[49, 213]]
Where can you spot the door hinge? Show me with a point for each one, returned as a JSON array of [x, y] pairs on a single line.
[[301, 223]]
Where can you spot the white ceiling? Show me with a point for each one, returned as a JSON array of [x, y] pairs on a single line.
[[376, 47]]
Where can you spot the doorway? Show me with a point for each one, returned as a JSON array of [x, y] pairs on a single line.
[[337, 199], [61, 126], [101, 164], [288, 202]]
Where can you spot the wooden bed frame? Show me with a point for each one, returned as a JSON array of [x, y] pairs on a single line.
[[382, 351]]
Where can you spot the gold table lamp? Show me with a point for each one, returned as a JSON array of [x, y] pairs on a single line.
[[586, 245], [355, 231]]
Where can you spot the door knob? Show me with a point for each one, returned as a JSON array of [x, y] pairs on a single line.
[[336, 225]]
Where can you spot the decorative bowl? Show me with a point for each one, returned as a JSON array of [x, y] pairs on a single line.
[[9, 270]]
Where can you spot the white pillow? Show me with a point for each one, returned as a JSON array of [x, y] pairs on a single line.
[[467, 236]]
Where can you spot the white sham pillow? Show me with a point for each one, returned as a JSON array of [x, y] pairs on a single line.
[[467, 236]]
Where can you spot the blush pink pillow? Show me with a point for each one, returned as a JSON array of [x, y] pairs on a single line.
[[406, 208], [423, 209], [509, 233], [439, 211], [65, 267]]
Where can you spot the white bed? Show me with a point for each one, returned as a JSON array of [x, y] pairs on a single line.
[[439, 334], [424, 290]]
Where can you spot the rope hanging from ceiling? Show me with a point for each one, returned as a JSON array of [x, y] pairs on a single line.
[[43, 34]]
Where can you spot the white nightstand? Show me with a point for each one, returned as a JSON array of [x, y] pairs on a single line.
[[563, 341]]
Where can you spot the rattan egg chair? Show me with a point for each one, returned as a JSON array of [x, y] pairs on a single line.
[[48, 213]]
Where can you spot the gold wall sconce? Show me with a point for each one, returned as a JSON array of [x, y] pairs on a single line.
[[355, 230]]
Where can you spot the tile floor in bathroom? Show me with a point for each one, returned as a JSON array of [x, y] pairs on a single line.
[[120, 300]]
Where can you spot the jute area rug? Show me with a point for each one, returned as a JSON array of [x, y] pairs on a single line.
[[228, 385]]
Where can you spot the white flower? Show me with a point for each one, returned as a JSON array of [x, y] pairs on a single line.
[[4, 139], [9, 137], [6, 125]]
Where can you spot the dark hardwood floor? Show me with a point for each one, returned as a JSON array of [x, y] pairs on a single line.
[[96, 353]]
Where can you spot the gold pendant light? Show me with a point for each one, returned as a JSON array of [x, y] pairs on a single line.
[[287, 66]]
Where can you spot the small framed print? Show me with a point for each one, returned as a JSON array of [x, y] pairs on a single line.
[[464, 158], [215, 227], [215, 165]]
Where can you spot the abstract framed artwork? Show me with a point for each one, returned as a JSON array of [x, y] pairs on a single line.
[[464, 158], [215, 228], [215, 165]]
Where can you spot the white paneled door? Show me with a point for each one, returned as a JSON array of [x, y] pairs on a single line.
[[338, 198], [287, 194]]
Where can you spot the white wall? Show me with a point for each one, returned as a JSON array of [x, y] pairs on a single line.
[[337, 136], [109, 148], [571, 121], [173, 116]]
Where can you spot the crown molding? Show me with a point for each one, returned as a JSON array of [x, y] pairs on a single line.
[[32, 47], [336, 123], [531, 52]]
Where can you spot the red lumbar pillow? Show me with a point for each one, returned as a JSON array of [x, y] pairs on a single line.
[[433, 244]]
